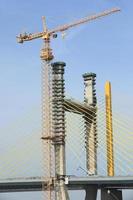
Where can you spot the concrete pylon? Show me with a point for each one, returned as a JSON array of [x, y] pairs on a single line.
[[90, 123], [58, 140]]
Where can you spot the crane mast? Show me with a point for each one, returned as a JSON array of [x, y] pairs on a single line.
[[52, 154]]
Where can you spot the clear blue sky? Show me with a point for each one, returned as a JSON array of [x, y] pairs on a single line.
[[104, 47]]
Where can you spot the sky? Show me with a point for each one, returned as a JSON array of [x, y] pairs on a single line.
[[103, 46]]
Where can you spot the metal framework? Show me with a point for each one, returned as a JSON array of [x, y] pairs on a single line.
[[46, 35]]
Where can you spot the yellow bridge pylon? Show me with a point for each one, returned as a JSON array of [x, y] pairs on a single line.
[[109, 130]]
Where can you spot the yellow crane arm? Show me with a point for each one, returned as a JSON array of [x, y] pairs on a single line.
[[47, 33], [84, 20]]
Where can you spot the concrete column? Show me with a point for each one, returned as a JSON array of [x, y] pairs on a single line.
[[58, 113], [90, 123], [91, 193]]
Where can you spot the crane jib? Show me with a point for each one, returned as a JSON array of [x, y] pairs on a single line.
[[46, 52], [84, 20]]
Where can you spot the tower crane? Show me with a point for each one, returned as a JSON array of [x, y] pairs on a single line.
[[47, 56], [46, 35]]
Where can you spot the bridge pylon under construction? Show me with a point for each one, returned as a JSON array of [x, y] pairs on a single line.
[[54, 140]]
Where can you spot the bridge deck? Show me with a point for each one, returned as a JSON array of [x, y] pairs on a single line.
[[74, 183]]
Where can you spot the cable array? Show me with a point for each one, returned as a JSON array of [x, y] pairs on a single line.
[[122, 141], [22, 160]]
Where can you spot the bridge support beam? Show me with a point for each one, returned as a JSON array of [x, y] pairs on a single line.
[[91, 193], [111, 194]]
